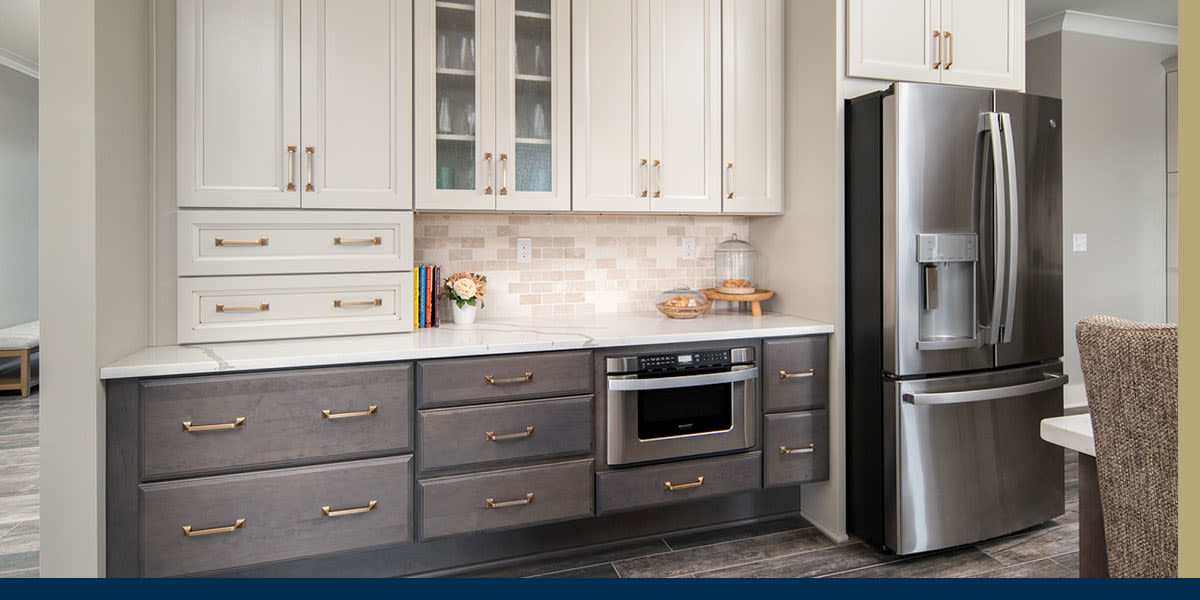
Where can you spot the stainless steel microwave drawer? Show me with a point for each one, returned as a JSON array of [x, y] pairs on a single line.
[[795, 373], [503, 433], [212, 523], [461, 381], [504, 499], [795, 448], [232, 422], [625, 489]]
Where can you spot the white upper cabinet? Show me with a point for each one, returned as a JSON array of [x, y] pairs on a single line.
[[238, 121], [245, 69], [356, 87], [492, 105], [647, 109], [753, 106], [962, 42]]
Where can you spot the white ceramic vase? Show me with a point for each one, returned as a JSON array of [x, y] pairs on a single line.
[[464, 315]]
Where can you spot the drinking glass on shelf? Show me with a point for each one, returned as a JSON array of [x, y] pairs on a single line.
[[539, 121], [470, 118], [466, 51], [443, 123], [539, 60], [443, 52]]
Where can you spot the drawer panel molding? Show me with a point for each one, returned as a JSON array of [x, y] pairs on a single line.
[[795, 373], [465, 381], [625, 489], [795, 448]]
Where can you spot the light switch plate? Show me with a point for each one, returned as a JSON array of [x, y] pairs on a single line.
[[1079, 242], [689, 248], [524, 250]]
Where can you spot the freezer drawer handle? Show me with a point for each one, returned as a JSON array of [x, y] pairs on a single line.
[[1051, 381]]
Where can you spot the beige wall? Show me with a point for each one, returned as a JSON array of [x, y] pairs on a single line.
[[18, 197], [95, 298]]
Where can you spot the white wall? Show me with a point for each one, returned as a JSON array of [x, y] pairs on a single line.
[[1114, 190], [18, 197], [95, 152]]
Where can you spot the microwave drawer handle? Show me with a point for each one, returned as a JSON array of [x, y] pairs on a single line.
[[1050, 381], [660, 383]]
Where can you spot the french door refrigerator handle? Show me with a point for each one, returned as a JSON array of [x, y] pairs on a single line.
[[1049, 381], [989, 123], [1013, 222]]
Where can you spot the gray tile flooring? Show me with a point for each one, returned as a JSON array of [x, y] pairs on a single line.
[[19, 458], [788, 547]]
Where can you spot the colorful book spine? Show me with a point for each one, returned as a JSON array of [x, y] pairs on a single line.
[[429, 291], [416, 297], [421, 298], [437, 296]]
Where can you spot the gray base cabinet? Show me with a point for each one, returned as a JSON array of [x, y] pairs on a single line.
[[640, 487], [795, 448]]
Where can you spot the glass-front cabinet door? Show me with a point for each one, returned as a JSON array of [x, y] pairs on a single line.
[[491, 104], [533, 104]]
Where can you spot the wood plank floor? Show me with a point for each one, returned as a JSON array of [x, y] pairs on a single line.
[[780, 548]]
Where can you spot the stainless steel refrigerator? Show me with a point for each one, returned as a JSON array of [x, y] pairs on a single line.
[[954, 314]]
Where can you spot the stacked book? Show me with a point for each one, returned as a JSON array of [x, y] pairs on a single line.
[[427, 290]]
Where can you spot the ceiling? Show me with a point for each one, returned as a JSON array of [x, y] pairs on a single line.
[[1163, 12], [19, 31]]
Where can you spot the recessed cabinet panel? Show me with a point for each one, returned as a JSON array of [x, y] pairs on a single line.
[[357, 112], [893, 39], [986, 43], [753, 125], [238, 95]]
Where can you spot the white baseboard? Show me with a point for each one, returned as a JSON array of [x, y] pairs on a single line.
[[837, 538]]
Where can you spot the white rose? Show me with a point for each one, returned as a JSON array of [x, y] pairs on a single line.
[[465, 288]]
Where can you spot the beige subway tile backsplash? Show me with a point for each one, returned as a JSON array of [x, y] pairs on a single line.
[[581, 264]]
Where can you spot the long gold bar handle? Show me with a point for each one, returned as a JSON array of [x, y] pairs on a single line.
[[329, 414], [797, 375], [341, 304], [491, 173], [491, 436], [658, 180], [222, 242], [503, 174], [327, 512], [937, 36], [291, 185], [949, 38], [236, 424], [239, 524], [341, 241], [528, 376], [491, 503], [729, 168], [309, 151], [668, 486], [645, 177], [785, 450], [264, 307]]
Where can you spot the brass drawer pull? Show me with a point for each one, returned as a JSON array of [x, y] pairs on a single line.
[[491, 436], [491, 503], [327, 512], [291, 184], [340, 241], [328, 414], [341, 304], [264, 307], [308, 186], [937, 35], [238, 423], [222, 242], [810, 449], [797, 375], [239, 524], [949, 38], [528, 376], [503, 174], [683, 486]]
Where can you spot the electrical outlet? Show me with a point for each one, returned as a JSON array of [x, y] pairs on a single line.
[[524, 250], [1079, 240], [689, 248]]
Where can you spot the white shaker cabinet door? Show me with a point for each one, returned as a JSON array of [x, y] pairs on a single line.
[[984, 43], [610, 105], [894, 39], [685, 106], [238, 103], [356, 126], [753, 106]]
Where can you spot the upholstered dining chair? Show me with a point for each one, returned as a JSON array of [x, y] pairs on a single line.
[[1131, 373]]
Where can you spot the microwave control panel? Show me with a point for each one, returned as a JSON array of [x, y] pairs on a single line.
[[689, 360]]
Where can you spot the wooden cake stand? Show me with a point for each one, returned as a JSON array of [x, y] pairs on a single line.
[[754, 299]]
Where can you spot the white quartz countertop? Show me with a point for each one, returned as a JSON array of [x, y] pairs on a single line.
[[1074, 432], [487, 336]]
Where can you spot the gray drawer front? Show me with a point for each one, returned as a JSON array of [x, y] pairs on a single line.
[[451, 505], [283, 418], [795, 431], [282, 511], [453, 437], [460, 381], [795, 356], [626, 489]]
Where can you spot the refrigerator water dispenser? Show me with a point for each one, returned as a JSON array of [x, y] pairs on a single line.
[[947, 288]]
